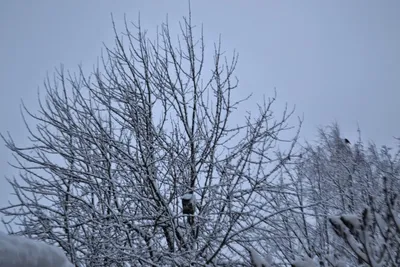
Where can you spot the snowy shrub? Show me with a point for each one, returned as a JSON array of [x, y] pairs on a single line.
[[373, 237], [17, 251]]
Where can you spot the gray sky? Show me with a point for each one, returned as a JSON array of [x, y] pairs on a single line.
[[334, 60]]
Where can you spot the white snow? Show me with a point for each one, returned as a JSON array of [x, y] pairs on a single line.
[[257, 260], [397, 220], [306, 262], [352, 219], [17, 251], [187, 196], [381, 222], [190, 197]]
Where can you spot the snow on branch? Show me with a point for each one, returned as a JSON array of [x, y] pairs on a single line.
[[373, 236], [257, 260]]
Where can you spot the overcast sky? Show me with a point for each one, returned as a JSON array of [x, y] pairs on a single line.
[[335, 60]]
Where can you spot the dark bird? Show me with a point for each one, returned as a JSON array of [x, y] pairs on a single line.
[[347, 141]]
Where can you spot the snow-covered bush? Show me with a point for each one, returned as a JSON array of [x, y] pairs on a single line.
[[18, 251], [373, 237], [333, 177]]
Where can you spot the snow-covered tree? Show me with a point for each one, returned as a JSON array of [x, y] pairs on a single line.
[[332, 177], [373, 237], [114, 154]]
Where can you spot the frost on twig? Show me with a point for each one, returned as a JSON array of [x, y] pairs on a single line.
[[112, 153]]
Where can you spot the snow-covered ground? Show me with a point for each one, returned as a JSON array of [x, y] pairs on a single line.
[[17, 251]]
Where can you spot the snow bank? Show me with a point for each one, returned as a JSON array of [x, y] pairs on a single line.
[[17, 251]]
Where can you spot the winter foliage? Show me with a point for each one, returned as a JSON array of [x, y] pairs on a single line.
[[147, 162], [354, 223]]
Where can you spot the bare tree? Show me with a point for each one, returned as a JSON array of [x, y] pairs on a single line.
[[115, 155]]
